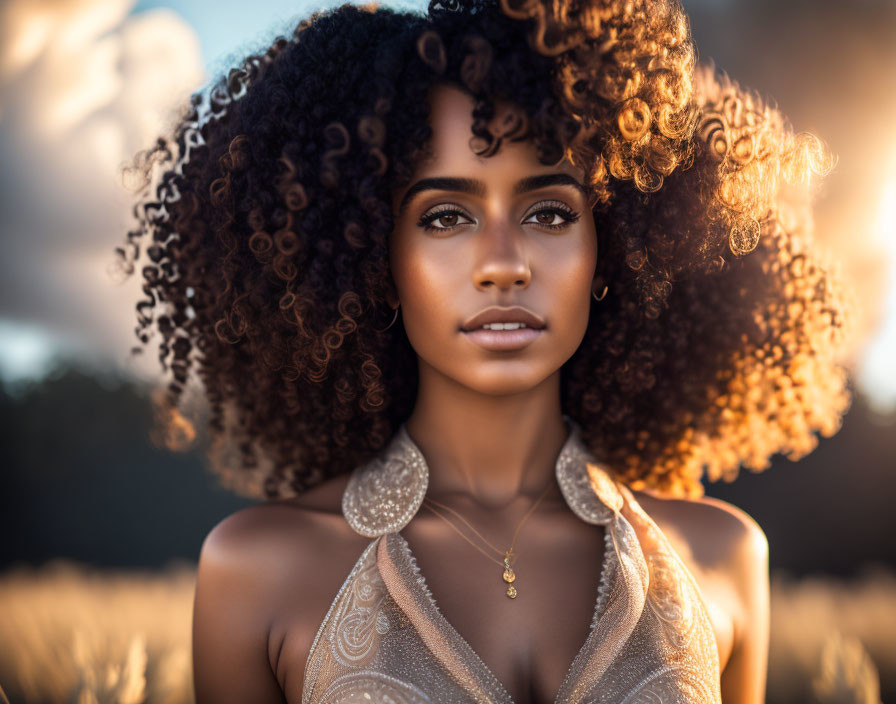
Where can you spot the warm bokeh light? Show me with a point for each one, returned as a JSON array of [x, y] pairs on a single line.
[[876, 376], [886, 221]]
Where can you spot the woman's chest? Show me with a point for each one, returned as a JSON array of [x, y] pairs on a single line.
[[529, 643], [526, 643]]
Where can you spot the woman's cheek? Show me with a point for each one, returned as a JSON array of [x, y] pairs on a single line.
[[429, 317]]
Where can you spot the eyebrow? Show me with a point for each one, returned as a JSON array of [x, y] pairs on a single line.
[[477, 188]]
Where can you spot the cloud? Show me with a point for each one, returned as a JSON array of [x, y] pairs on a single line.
[[83, 86]]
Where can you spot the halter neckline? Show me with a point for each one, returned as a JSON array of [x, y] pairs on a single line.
[[383, 495]]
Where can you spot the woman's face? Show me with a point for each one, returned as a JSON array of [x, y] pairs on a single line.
[[504, 231]]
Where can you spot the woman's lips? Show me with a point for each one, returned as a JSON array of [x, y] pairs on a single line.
[[503, 340]]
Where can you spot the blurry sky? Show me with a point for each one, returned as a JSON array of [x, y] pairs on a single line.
[[84, 84]]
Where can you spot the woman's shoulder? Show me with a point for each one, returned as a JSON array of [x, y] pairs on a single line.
[[281, 547], [294, 526], [715, 533], [275, 567], [726, 551]]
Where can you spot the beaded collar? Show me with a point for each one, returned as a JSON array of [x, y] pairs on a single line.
[[383, 495]]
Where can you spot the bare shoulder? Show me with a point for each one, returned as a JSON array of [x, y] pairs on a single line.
[[726, 551], [279, 533], [718, 535], [266, 578]]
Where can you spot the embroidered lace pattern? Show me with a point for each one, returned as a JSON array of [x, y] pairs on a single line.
[[385, 640]]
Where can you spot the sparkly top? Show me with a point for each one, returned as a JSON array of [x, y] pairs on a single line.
[[385, 640]]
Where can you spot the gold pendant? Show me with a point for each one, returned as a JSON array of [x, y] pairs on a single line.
[[509, 577]]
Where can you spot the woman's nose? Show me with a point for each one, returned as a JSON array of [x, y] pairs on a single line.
[[502, 260]]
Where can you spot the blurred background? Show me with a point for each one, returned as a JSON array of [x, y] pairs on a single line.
[[102, 527]]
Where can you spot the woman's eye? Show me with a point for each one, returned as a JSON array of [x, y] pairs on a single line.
[[445, 219], [547, 217]]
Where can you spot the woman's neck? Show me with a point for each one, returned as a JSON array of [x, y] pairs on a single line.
[[490, 449]]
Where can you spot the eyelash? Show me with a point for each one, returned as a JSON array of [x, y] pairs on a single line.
[[555, 207]]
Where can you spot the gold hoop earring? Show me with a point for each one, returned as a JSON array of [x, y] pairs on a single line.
[[602, 294], [393, 319]]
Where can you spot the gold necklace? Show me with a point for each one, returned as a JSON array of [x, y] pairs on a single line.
[[509, 575]]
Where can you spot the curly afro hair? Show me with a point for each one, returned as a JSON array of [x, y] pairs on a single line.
[[265, 217]]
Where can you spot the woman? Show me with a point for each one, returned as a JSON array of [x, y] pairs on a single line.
[[521, 265]]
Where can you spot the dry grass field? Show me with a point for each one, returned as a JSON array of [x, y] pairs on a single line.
[[73, 635]]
